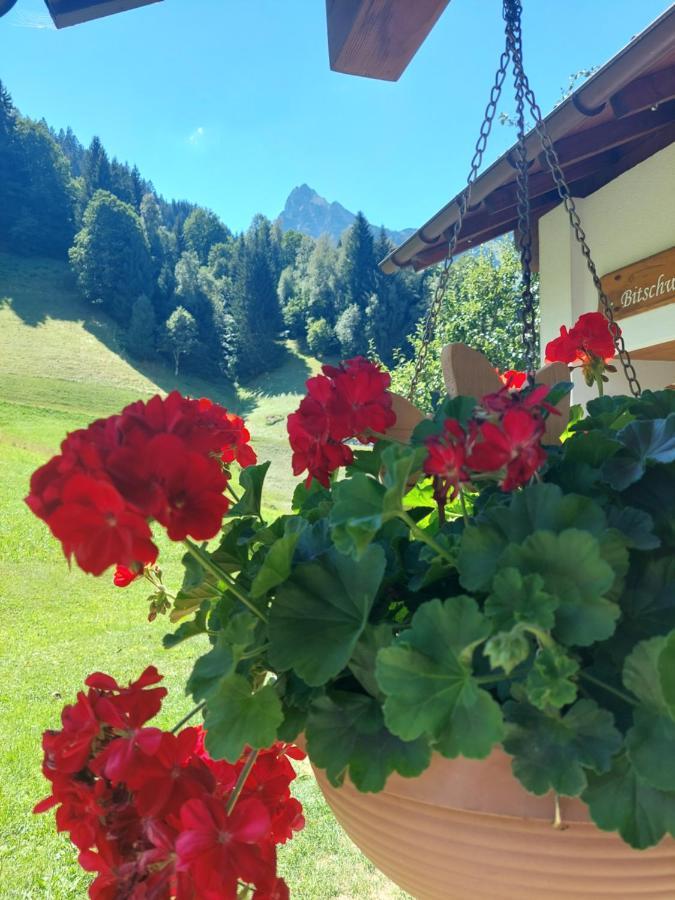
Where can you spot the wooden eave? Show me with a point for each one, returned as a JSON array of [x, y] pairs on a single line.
[[621, 116], [378, 38], [73, 12]]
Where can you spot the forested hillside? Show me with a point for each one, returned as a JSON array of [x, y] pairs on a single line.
[[182, 287]]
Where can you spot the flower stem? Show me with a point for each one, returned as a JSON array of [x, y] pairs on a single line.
[[241, 781], [193, 712], [608, 687], [462, 501], [421, 535], [209, 566], [601, 387]]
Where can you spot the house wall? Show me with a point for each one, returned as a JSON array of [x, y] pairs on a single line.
[[625, 221]]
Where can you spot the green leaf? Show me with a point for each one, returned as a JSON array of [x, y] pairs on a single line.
[[636, 526], [544, 507], [220, 662], [189, 629], [479, 552], [620, 800], [401, 464], [651, 748], [651, 440], [549, 681], [666, 668], [648, 602], [460, 408], [346, 733], [642, 676], [592, 448], [236, 717], [516, 598], [320, 612], [551, 752], [359, 511], [231, 554], [427, 679], [362, 663], [276, 566], [251, 480], [574, 572], [507, 649]]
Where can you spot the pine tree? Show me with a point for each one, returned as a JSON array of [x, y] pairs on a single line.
[[357, 262], [97, 176], [141, 334]]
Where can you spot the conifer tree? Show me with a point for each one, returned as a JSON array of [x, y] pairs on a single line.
[[97, 175], [357, 262], [141, 334]]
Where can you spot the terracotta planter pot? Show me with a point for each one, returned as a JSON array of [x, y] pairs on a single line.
[[467, 830]]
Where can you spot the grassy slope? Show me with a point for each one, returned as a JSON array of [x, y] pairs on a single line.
[[60, 366]]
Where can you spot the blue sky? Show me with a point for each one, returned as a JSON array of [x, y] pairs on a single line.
[[231, 103]]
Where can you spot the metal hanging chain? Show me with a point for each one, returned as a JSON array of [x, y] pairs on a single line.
[[512, 11], [431, 318], [575, 222]]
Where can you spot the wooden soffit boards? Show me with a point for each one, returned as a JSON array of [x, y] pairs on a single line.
[[378, 38], [644, 285], [74, 12], [664, 352]]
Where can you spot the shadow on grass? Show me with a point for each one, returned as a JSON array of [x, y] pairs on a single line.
[[38, 290]]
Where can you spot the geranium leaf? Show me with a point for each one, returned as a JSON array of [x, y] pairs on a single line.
[[361, 508], [592, 448], [648, 603], [636, 525], [346, 733], [573, 570], [237, 717], [666, 668], [251, 480], [650, 440], [549, 683], [188, 629], [620, 800], [401, 464], [276, 566], [220, 662], [507, 649], [479, 552], [551, 752], [641, 674], [544, 507], [651, 748], [516, 598], [320, 611], [362, 663], [427, 679]]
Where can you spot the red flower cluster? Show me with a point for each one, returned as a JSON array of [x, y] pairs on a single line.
[[513, 379], [589, 343], [346, 401], [147, 809], [503, 437], [164, 460]]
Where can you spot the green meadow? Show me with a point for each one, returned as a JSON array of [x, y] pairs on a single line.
[[61, 365]]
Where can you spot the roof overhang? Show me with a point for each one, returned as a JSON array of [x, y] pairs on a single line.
[[74, 12], [378, 38], [619, 117]]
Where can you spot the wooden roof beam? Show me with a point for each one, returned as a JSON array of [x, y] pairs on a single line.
[[378, 38], [73, 12], [644, 93]]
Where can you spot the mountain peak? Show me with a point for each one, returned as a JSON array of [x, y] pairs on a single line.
[[310, 213]]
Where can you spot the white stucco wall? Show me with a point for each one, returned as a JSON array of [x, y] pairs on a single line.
[[625, 221]]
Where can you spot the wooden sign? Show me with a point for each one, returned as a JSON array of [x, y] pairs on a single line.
[[643, 285]]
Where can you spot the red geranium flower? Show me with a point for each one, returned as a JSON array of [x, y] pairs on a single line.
[[515, 447], [446, 460], [218, 849], [95, 525], [589, 343], [512, 379]]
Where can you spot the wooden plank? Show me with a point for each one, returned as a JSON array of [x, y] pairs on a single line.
[[613, 133], [645, 92], [378, 38], [644, 285], [73, 12], [664, 352]]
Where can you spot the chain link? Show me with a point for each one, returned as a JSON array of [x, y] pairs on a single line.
[[512, 12], [568, 201], [431, 318]]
